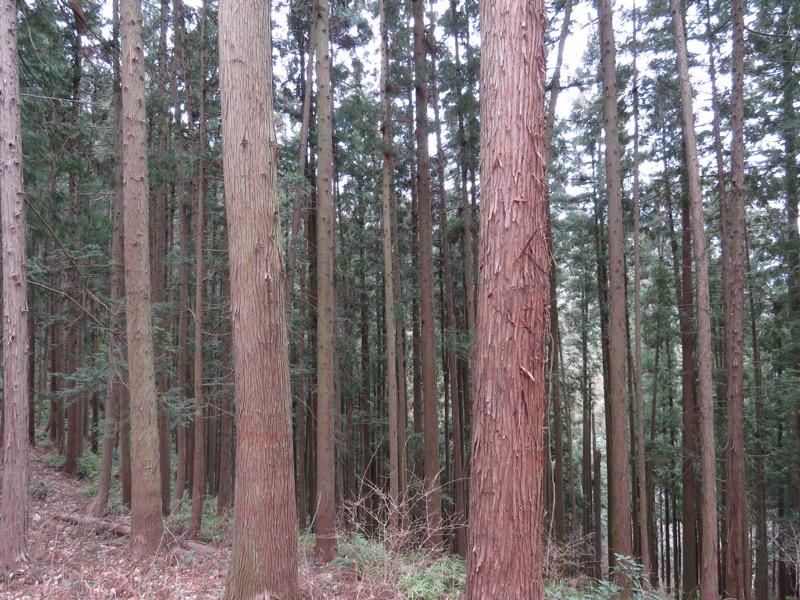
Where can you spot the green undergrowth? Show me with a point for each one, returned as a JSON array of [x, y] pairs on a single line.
[[414, 575], [607, 590], [214, 528]]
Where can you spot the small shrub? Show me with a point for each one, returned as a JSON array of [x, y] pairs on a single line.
[[443, 577], [88, 466], [54, 460], [41, 489]]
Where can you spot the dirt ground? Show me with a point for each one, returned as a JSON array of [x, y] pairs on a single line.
[[67, 560]]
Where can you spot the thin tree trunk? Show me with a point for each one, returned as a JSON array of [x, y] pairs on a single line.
[[74, 329], [326, 359], [458, 517], [644, 513], [737, 553], [705, 392], [115, 389], [183, 270], [14, 502], [158, 257], [619, 495], [199, 463], [430, 395], [388, 283], [146, 525]]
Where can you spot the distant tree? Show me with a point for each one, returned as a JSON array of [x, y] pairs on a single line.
[[619, 530], [430, 392], [146, 524], [708, 490], [14, 515], [737, 552], [264, 560], [504, 557]]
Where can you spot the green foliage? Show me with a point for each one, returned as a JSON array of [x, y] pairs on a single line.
[[446, 575], [54, 460], [417, 575], [40, 489], [213, 527]]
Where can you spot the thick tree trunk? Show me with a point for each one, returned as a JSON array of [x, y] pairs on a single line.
[[506, 517], [264, 560], [14, 503]]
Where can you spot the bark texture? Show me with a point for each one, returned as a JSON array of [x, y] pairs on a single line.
[[737, 553], [264, 559], [146, 525], [705, 393], [430, 392], [506, 518], [619, 534], [326, 360], [14, 504]]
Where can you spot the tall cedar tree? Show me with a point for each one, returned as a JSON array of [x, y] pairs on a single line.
[[506, 513], [620, 498], [708, 489], [14, 515], [388, 275], [430, 393], [146, 525], [264, 556], [326, 358], [737, 553]]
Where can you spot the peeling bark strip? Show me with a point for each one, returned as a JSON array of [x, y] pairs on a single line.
[[504, 559]]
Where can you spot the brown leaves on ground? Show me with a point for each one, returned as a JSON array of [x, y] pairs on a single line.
[[69, 560]]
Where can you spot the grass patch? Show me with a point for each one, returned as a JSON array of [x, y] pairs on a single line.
[[415, 575], [213, 527]]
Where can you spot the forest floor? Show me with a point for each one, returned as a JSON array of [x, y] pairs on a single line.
[[81, 561]]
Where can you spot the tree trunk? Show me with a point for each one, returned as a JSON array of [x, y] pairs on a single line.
[[14, 503], [115, 388], [264, 556], [430, 395], [199, 463], [326, 309], [183, 269], [506, 516], [450, 345], [705, 392], [158, 223], [393, 400], [619, 495], [146, 525], [74, 329], [737, 553], [644, 513]]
